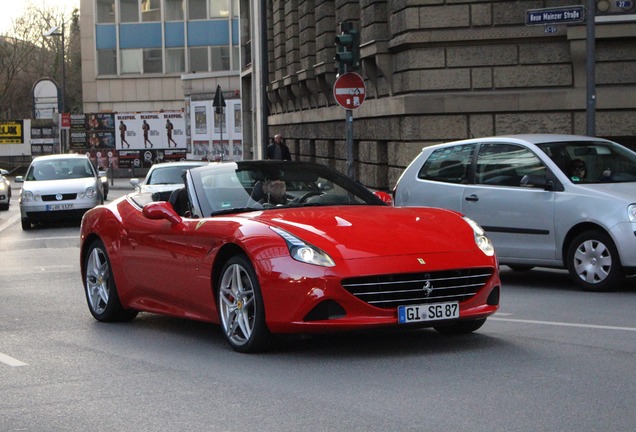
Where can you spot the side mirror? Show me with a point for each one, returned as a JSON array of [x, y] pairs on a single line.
[[19, 179], [163, 210], [385, 197]]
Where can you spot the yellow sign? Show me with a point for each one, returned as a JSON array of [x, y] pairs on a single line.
[[11, 132]]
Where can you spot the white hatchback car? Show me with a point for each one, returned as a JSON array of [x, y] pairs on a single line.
[[560, 201], [164, 177], [57, 188]]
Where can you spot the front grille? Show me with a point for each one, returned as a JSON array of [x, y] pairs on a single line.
[[65, 197], [391, 291]]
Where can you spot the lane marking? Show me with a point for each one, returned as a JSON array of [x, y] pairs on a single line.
[[10, 222], [563, 324], [10, 361], [47, 238]]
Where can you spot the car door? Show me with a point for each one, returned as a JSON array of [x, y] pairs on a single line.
[[519, 219], [153, 258], [441, 179]]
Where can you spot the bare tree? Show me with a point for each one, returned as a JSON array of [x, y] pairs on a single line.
[[26, 56]]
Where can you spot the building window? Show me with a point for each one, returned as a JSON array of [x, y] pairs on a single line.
[[105, 11], [220, 58], [199, 59], [152, 61], [107, 62], [236, 64], [174, 10], [219, 9], [175, 60], [150, 10], [129, 10], [197, 9], [131, 62]]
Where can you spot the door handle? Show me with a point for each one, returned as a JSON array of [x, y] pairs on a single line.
[[472, 197]]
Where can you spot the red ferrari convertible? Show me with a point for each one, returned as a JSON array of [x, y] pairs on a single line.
[[266, 247]]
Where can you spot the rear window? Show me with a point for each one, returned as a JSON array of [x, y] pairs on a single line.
[[448, 164]]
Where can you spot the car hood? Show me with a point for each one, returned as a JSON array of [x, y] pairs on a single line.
[[60, 186], [623, 191], [365, 231]]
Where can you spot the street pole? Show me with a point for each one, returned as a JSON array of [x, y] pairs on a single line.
[[349, 136], [63, 73], [590, 63]]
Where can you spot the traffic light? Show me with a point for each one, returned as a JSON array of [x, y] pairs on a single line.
[[347, 48]]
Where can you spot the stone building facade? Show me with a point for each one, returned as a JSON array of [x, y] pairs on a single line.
[[435, 71]]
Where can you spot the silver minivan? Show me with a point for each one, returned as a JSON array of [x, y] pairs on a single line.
[[561, 201]]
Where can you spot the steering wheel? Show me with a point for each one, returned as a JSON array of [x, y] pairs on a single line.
[[306, 196]]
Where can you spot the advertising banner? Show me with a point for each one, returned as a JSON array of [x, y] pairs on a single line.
[[92, 132], [11, 132], [150, 131]]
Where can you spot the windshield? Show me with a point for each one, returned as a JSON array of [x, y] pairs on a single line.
[[256, 185], [593, 162], [60, 169], [167, 174]]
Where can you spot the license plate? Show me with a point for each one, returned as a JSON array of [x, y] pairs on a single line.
[[428, 312], [55, 207]]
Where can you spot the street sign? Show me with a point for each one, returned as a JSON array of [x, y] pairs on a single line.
[[219, 100], [349, 90], [562, 15]]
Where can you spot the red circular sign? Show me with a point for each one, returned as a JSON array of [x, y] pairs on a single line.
[[349, 90]]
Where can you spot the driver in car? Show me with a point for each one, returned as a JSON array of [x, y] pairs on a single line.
[[275, 192]]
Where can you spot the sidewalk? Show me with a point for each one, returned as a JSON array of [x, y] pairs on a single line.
[[121, 184]]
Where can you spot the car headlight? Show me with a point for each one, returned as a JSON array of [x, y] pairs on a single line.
[[481, 239], [3, 187], [27, 196], [631, 212], [104, 179], [91, 192], [304, 252]]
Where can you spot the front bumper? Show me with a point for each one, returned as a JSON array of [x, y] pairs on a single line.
[[314, 300]]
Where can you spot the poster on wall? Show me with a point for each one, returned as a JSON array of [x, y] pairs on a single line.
[[44, 137], [209, 130], [200, 120], [11, 132], [146, 158], [92, 132], [150, 131]]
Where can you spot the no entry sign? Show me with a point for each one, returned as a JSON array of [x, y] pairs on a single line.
[[349, 90]]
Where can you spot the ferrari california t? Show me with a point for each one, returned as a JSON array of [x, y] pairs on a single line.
[[270, 247]]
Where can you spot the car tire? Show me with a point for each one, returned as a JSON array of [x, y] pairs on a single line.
[[99, 286], [241, 308], [593, 262], [461, 327], [26, 223], [4, 206]]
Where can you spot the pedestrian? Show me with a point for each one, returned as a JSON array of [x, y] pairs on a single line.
[[278, 149]]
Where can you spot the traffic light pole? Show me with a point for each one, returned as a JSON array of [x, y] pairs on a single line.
[[348, 59]]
